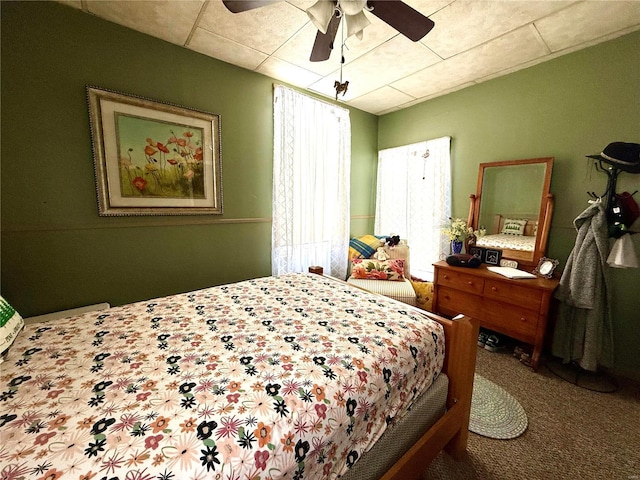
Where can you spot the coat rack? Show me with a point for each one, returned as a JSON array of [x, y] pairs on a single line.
[[614, 215]]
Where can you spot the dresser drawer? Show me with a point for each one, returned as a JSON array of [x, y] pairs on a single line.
[[463, 281], [511, 293], [512, 320], [453, 302]]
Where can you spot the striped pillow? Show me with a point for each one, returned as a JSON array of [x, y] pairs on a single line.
[[364, 246]]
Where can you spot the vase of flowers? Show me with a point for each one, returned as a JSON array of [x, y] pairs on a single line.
[[458, 232]]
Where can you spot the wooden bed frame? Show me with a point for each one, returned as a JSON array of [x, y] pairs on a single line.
[[451, 431]]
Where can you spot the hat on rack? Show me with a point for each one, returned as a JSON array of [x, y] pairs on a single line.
[[622, 155]]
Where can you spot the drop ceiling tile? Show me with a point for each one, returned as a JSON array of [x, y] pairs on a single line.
[[297, 50], [586, 21], [286, 72], [380, 66], [514, 48], [465, 24], [380, 100], [169, 20], [263, 29], [226, 50]]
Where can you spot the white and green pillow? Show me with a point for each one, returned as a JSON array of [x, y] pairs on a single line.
[[10, 325], [514, 226]]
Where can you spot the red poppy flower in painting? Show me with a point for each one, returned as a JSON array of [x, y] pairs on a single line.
[[198, 154], [162, 148], [149, 150], [140, 183], [172, 161], [188, 134], [182, 142]]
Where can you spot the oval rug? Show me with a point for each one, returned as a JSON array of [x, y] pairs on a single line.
[[494, 412]]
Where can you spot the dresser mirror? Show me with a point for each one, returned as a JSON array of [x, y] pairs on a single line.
[[513, 207]]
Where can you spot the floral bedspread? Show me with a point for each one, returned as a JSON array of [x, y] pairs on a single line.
[[293, 376]]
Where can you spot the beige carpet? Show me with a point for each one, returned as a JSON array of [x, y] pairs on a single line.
[[573, 433]]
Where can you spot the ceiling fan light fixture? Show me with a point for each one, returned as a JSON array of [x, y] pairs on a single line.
[[320, 14], [352, 7], [356, 24]]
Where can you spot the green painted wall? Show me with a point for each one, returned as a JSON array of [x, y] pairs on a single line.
[[57, 252], [566, 108]]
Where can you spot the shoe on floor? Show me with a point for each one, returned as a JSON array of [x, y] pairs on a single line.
[[482, 339], [494, 343]]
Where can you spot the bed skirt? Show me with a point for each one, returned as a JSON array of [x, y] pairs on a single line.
[[403, 434]]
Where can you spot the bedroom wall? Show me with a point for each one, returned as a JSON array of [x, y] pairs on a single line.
[[57, 253], [566, 108]]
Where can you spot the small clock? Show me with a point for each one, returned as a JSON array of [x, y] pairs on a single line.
[[508, 263]]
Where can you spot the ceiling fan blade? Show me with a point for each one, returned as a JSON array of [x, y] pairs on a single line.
[[408, 21], [237, 6], [324, 41]]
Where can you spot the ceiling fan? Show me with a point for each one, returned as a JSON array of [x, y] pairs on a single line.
[[327, 14]]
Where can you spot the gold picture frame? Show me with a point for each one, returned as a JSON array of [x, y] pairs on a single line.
[[154, 158]]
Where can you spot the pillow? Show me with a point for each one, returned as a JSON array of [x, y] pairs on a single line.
[[10, 325], [364, 247], [373, 269], [513, 226]]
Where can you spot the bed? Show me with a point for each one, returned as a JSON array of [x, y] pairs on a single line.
[[517, 246], [295, 376]]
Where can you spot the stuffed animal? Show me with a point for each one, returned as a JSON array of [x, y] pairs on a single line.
[[381, 254], [393, 240]]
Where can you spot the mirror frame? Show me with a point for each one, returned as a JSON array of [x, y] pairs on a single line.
[[544, 214]]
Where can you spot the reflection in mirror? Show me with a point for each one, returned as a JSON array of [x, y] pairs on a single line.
[[513, 205]]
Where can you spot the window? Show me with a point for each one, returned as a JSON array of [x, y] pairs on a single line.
[[311, 184], [413, 199]]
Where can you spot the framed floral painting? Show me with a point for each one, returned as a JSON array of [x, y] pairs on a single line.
[[154, 158]]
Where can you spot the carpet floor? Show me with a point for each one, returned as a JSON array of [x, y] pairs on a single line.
[[573, 433]]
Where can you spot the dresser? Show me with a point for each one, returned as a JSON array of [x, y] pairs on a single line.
[[516, 308]]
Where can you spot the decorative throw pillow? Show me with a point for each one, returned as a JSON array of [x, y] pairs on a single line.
[[513, 226], [364, 246], [424, 293], [10, 325], [372, 269]]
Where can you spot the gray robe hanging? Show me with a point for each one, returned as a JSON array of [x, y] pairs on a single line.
[[583, 329]]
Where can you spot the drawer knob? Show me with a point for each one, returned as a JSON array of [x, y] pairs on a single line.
[[522, 319], [469, 282], [446, 277], [494, 289]]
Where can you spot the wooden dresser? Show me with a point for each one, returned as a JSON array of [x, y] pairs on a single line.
[[516, 308]]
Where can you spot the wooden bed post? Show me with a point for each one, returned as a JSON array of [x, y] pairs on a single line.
[[451, 431]]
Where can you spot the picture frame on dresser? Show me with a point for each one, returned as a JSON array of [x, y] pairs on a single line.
[[546, 267], [154, 158], [492, 256], [478, 252]]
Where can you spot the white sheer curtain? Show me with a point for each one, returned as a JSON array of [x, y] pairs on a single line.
[[414, 199], [311, 184]]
